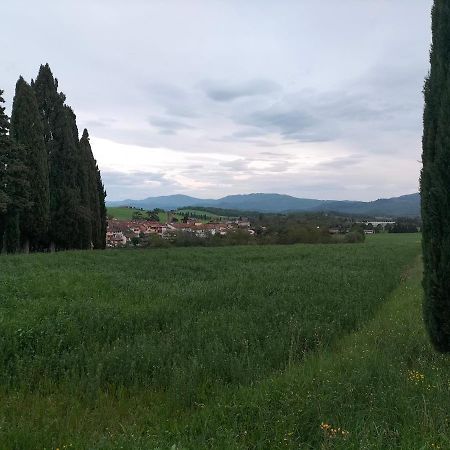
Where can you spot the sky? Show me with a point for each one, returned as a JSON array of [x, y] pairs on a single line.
[[316, 99]]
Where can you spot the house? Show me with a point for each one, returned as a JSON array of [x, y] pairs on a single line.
[[115, 239]]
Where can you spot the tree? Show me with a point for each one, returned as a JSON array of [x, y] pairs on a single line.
[[61, 140], [103, 212], [435, 183], [4, 147], [14, 186], [95, 192], [84, 234], [27, 131]]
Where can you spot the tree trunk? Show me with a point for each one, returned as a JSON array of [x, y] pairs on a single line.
[[26, 246]]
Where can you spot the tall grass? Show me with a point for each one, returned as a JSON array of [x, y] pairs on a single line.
[[116, 348]]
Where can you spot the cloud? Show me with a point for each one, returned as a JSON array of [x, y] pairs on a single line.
[[209, 85], [117, 178], [222, 91], [169, 126], [340, 162]]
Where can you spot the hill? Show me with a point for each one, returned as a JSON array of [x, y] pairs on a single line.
[[166, 202], [406, 205]]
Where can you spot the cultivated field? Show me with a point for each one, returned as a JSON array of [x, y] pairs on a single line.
[[303, 346]]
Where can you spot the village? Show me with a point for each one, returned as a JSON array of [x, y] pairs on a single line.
[[122, 233]]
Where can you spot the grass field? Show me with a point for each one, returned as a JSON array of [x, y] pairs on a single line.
[[209, 215], [122, 213], [305, 346]]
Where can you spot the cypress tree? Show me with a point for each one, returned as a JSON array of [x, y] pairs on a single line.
[[83, 210], [27, 131], [93, 200], [103, 213], [14, 191], [62, 151], [5, 144], [435, 183], [97, 194]]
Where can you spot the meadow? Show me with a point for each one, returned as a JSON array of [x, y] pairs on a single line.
[[300, 346], [124, 213]]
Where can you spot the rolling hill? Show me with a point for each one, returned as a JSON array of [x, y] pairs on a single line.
[[406, 205]]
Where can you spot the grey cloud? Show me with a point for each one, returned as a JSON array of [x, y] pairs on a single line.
[[275, 154], [100, 123], [340, 163], [289, 121], [299, 76], [226, 92], [175, 101], [137, 184], [308, 116], [169, 126], [116, 179], [236, 165]]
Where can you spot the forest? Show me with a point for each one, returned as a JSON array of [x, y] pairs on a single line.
[[51, 192]]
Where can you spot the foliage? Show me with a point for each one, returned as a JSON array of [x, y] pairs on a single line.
[[14, 185], [435, 181], [405, 225], [27, 131], [95, 198], [354, 237], [51, 189]]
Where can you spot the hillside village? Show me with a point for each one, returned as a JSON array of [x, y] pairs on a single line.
[[121, 233], [132, 227]]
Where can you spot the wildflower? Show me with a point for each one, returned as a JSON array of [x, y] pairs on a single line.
[[333, 432], [415, 377]]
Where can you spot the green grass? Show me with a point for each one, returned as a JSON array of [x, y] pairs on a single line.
[[209, 215], [243, 347], [123, 213], [120, 213]]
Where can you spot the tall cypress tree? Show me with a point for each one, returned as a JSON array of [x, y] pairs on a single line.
[[101, 243], [90, 181], [83, 210], [5, 144], [62, 150], [27, 131], [435, 183], [96, 192], [14, 186]]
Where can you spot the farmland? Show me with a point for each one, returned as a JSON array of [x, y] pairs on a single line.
[[124, 213], [310, 346]]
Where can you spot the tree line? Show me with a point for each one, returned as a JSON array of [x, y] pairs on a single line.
[[51, 192]]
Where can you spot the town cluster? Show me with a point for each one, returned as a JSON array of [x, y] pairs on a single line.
[[121, 233]]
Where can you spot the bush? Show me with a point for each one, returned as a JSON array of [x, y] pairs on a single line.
[[354, 237]]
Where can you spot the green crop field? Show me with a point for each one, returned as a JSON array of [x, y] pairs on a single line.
[[123, 213], [302, 346], [120, 212], [199, 213]]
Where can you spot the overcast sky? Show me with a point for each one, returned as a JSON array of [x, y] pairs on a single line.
[[319, 99]]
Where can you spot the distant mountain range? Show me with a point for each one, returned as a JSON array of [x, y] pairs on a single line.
[[406, 205]]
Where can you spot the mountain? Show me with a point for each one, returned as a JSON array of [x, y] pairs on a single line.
[[166, 202], [406, 205], [266, 203]]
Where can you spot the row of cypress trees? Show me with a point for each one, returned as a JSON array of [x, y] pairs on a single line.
[[51, 191]]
